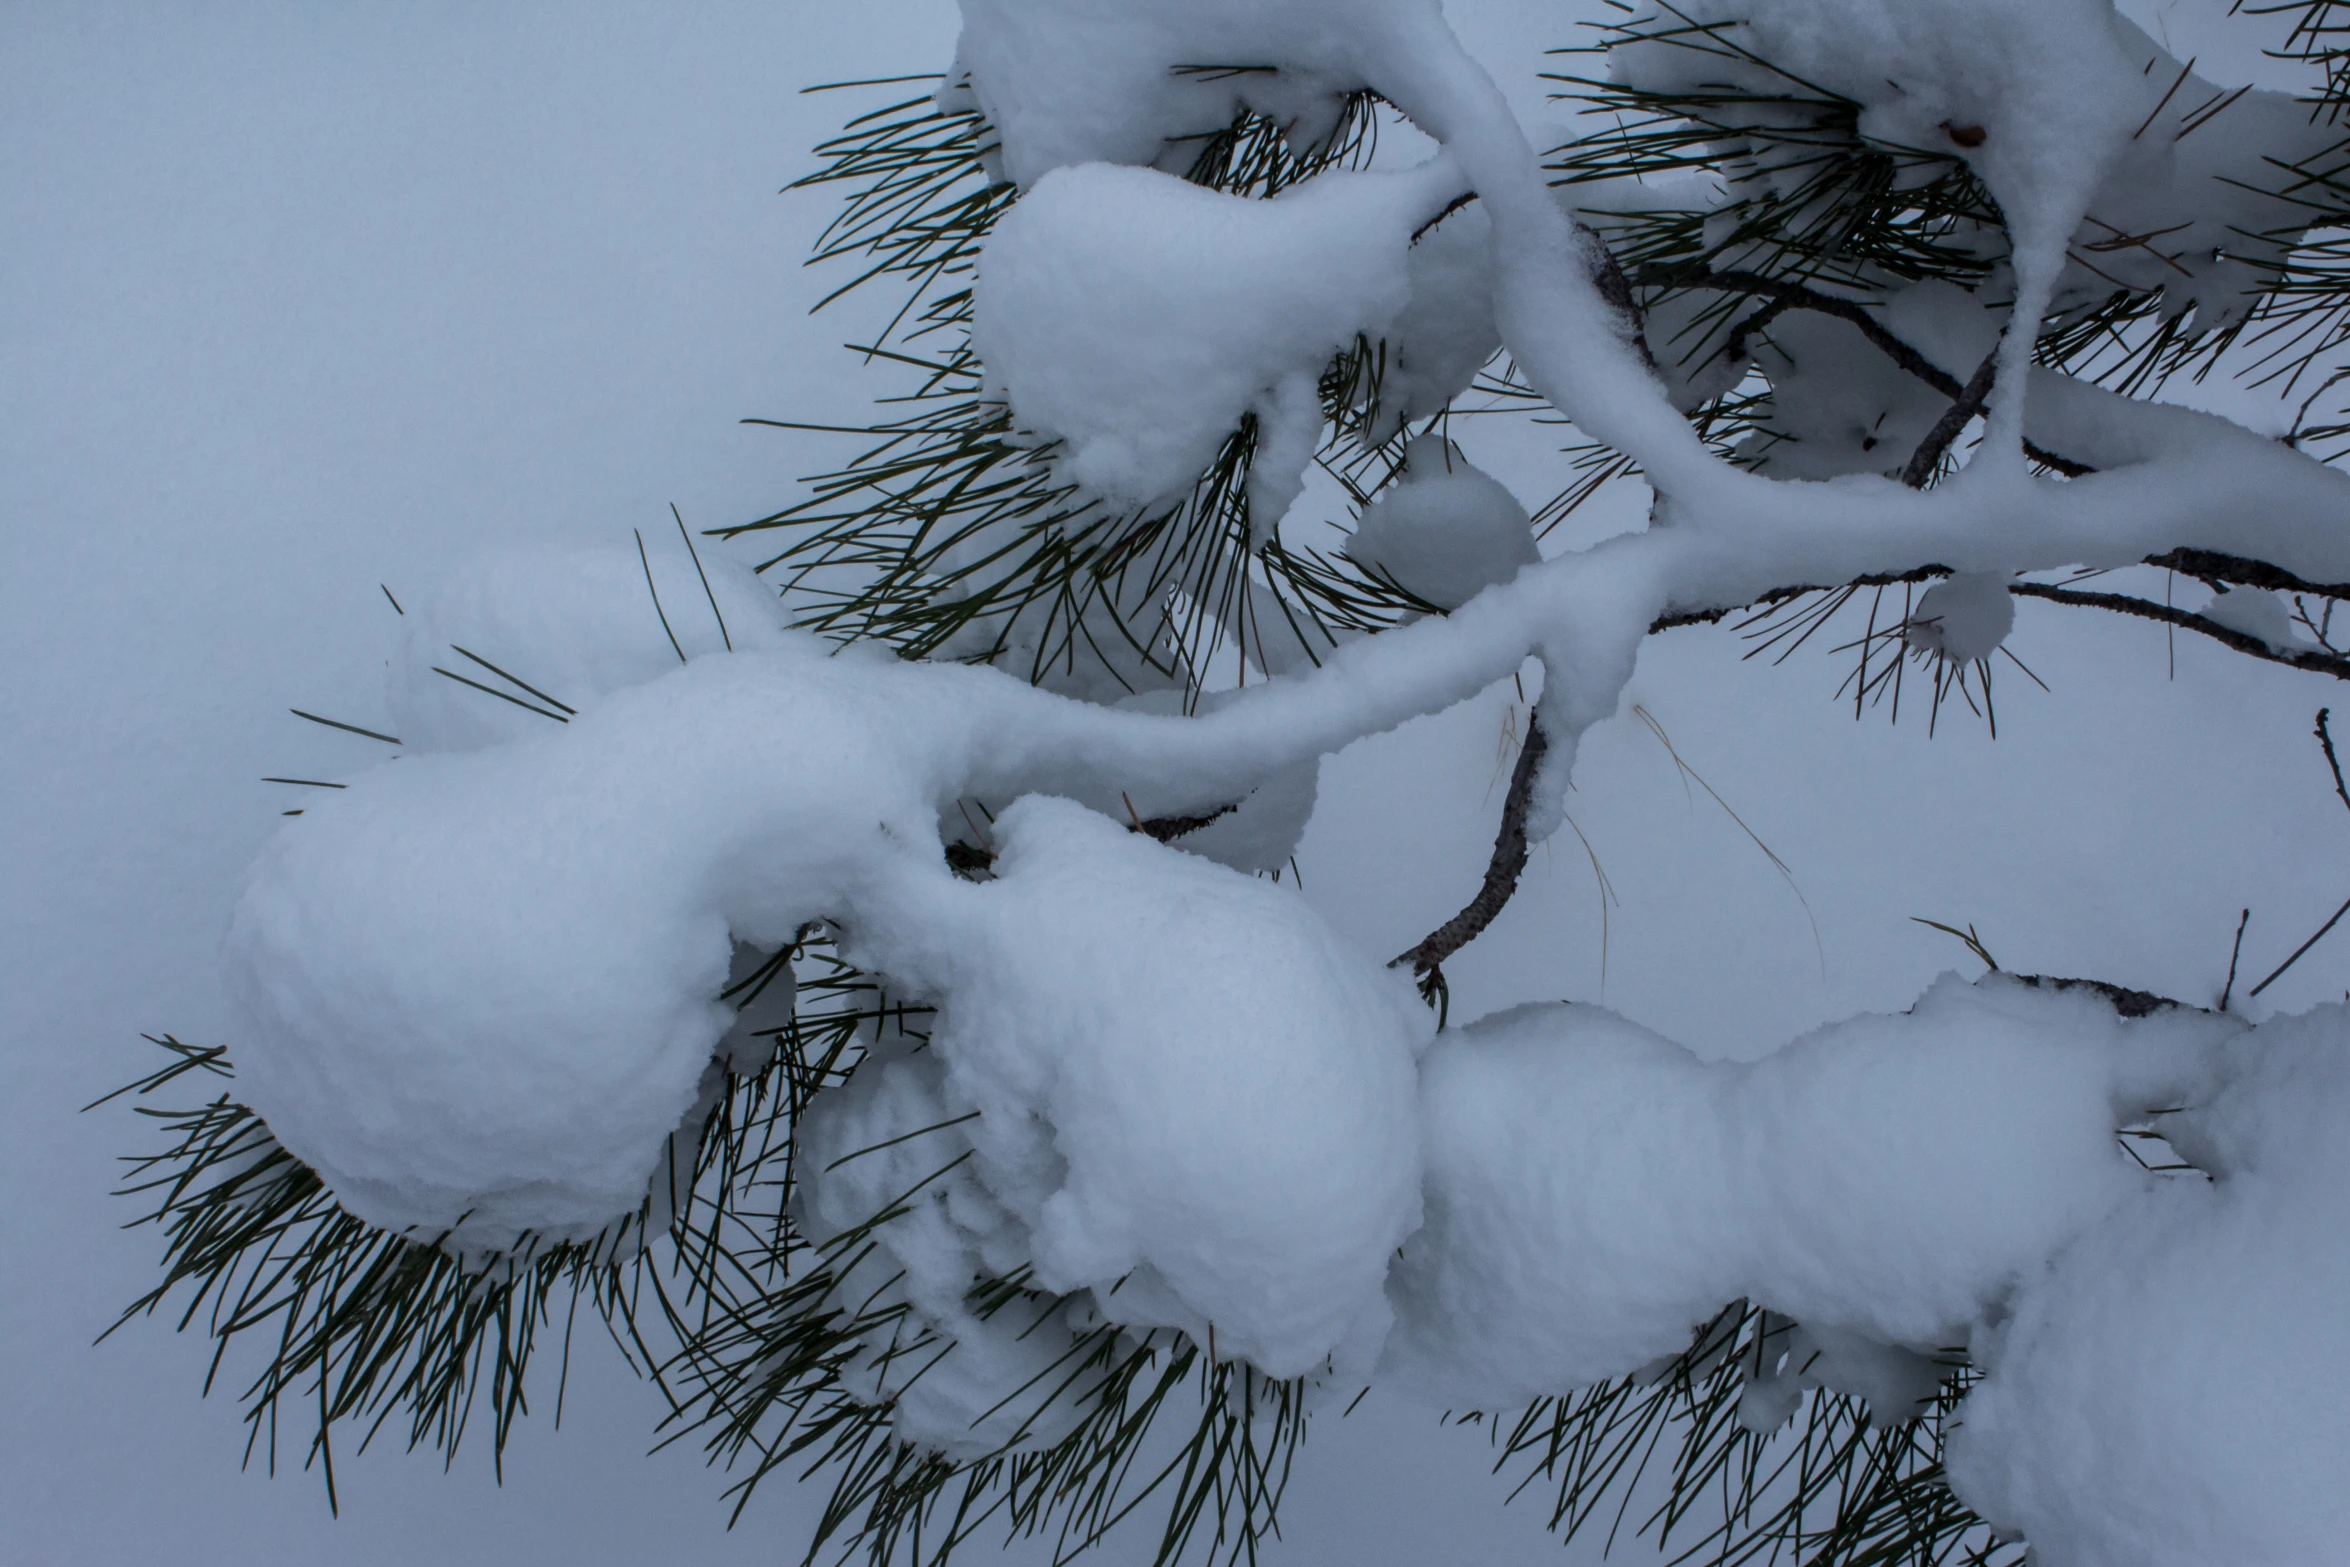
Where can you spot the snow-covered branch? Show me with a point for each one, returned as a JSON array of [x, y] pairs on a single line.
[[1157, 1096]]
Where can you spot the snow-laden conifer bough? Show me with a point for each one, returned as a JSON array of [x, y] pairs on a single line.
[[928, 1011]]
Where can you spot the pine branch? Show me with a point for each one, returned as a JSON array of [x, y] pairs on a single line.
[[2316, 661], [1926, 461], [1787, 295], [2212, 567]]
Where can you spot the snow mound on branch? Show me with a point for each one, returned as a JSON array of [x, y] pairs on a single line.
[[1161, 1093], [2175, 1390], [1114, 81], [1693, 359], [1198, 1100], [2195, 204], [1963, 618], [1594, 1191], [1444, 530], [2041, 92], [483, 986], [567, 627], [2083, 127], [484, 990], [1446, 332], [2256, 614], [1136, 318]]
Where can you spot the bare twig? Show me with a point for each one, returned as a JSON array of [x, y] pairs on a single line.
[[1501, 874], [1450, 207], [2304, 947], [1607, 275], [2237, 951], [1800, 296], [1968, 403], [2325, 741], [1706, 617], [2204, 565]]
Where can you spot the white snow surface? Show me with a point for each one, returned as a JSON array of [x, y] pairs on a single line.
[[1101, 81], [484, 985], [1594, 1192], [1194, 1103], [2174, 1389]]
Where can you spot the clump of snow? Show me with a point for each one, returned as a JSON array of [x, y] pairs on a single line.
[[1445, 332], [1164, 1094], [2038, 96], [2175, 1389], [1593, 1191], [484, 986], [564, 627], [1962, 618], [1105, 81], [1198, 1101], [1135, 318], [1896, 1383], [1444, 530], [2255, 613], [1692, 358], [1951, 326], [1838, 404]]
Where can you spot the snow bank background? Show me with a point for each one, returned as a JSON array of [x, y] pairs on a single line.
[[305, 301]]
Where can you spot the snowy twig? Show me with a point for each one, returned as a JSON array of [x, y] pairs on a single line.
[[2124, 1001], [2235, 570], [1878, 579], [2315, 660], [969, 859]]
